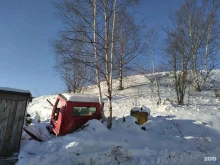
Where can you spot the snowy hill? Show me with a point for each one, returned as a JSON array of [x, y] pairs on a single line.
[[174, 134]]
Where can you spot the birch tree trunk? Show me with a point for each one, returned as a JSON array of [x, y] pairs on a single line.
[[120, 87], [152, 38], [111, 68], [96, 58], [155, 78]]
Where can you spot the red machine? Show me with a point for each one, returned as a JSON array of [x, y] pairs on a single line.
[[71, 111]]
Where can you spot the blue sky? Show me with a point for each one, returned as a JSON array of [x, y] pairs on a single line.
[[26, 26]]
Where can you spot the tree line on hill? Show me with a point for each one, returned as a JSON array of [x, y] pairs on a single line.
[[101, 41]]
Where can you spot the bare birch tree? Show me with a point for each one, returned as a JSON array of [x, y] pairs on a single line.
[[151, 48], [211, 40], [97, 65], [81, 28], [193, 44], [74, 75], [201, 26], [127, 44], [91, 24], [111, 68], [179, 58]]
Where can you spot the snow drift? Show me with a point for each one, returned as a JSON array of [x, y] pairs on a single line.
[[172, 135]]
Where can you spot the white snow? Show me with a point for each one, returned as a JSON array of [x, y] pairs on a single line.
[[80, 97], [173, 134], [141, 108]]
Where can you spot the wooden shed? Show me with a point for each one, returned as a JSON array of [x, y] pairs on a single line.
[[13, 104]]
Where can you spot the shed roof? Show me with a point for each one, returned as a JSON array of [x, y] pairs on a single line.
[[15, 91], [80, 97]]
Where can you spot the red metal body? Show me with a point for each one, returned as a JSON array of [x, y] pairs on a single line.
[[69, 115]]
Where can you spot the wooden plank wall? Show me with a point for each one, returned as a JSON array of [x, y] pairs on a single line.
[[4, 111], [18, 125], [11, 123]]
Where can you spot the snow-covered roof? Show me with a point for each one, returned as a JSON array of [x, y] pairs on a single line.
[[13, 90], [81, 97]]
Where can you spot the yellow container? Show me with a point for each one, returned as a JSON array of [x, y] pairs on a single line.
[[140, 116]]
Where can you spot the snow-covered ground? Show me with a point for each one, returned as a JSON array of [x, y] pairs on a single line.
[[173, 134]]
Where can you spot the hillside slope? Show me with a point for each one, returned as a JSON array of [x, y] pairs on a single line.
[[174, 134]]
